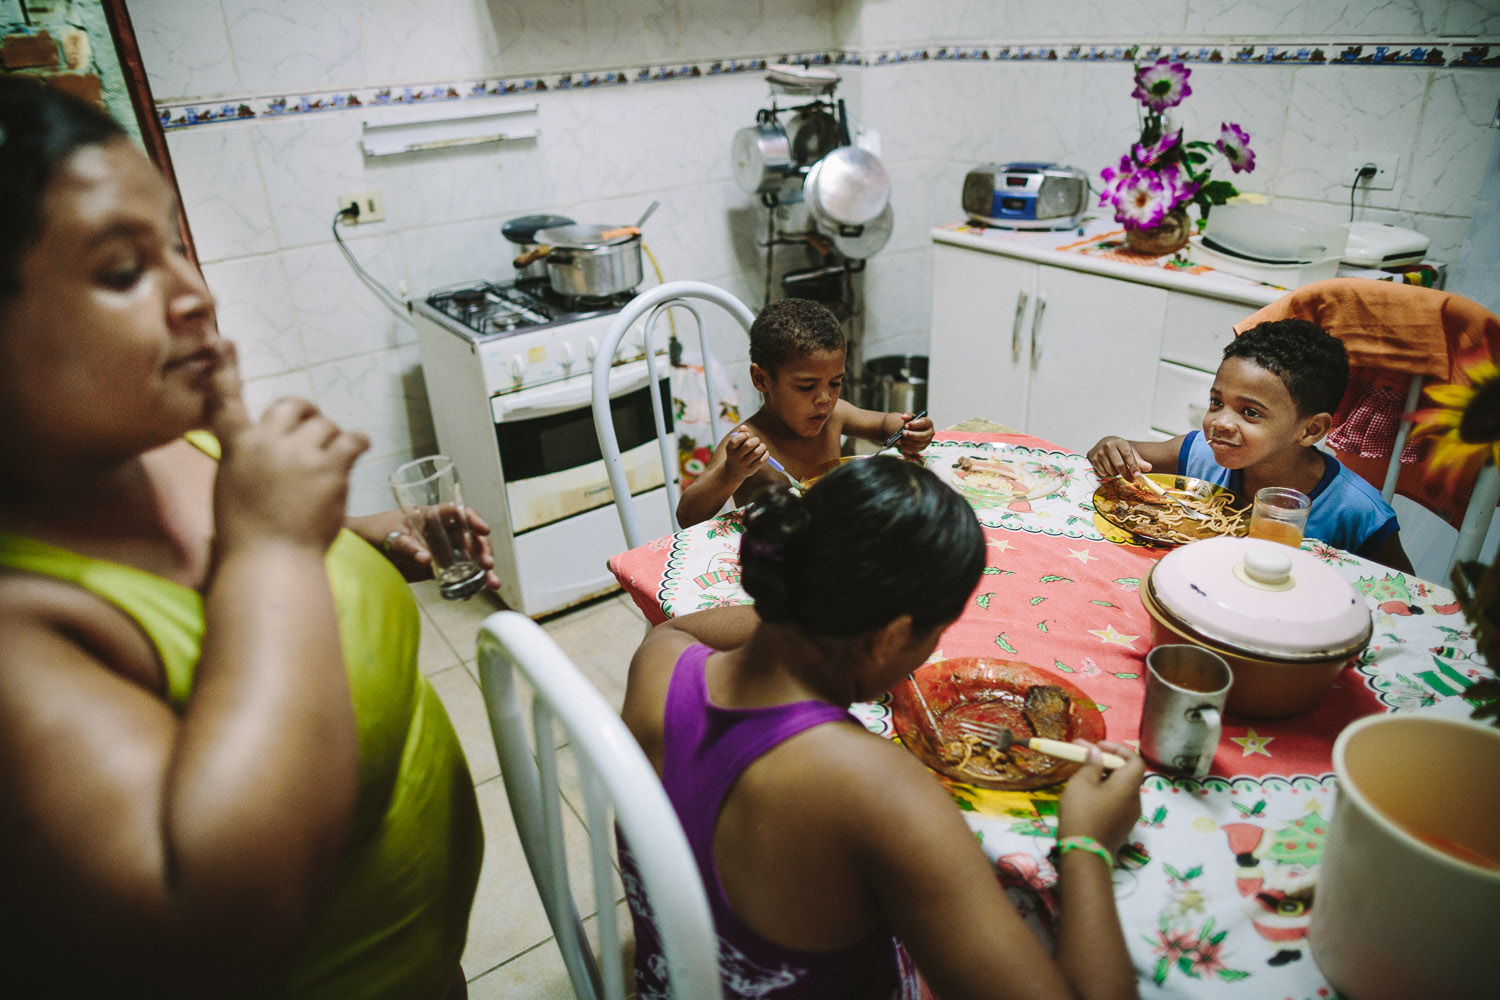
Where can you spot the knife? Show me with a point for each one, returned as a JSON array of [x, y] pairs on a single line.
[[891, 441]]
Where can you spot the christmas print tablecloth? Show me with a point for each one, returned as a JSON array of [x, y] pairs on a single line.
[[1217, 884]]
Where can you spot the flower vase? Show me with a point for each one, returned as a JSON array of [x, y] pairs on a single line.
[[1169, 236]]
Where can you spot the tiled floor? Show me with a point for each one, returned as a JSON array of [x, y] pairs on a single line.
[[511, 954]]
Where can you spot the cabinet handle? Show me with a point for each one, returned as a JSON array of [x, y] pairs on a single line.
[[1015, 327], [1036, 330]]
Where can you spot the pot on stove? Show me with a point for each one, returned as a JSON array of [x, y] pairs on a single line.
[[522, 232]]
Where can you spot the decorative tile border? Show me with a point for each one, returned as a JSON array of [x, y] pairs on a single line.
[[188, 114]]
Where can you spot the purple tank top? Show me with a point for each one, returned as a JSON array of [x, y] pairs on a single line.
[[706, 748]]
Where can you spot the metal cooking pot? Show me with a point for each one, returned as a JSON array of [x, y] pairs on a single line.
[[861, 242], [592, 261], [848, 187], [762, 157], [522, 232]]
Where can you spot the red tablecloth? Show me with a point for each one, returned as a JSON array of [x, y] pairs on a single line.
[[1216, 890]]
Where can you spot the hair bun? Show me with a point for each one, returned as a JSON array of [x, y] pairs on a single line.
[[774, 525]]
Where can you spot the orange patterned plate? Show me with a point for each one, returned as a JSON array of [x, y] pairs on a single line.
[[992, 692]]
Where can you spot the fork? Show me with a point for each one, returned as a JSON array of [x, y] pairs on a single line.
[[1155, 487], [1002, 739]]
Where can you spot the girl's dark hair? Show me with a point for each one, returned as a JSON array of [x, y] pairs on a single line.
[[39, 128], [868, 542], [1312, 364]]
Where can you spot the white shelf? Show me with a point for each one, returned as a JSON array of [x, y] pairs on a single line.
[[388, 131]]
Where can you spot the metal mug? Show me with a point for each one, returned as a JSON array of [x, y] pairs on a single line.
[[1186, 688]]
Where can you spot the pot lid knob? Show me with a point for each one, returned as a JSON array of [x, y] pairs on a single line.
[[1264, 567]]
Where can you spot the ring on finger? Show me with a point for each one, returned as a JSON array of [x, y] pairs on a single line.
[[389, 540]]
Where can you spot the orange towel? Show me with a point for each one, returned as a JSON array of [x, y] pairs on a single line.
[[1389, 327]]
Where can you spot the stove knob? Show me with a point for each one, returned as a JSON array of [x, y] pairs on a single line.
[[565, 355], [517, 367], [591, 347]]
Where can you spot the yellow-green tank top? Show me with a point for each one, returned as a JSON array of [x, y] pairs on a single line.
[[394, 922]]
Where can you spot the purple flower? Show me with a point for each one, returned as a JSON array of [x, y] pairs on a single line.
[[1179, 183], [1143, 199], [1113, 177], [1147, 155], [1161, 85], [1234, 143]]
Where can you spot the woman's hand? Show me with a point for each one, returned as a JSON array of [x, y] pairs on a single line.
[[389, 533], [1099, 805], [284, 477]]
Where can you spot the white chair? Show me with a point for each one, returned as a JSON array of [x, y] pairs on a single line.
[[653, 304], [616, 777]]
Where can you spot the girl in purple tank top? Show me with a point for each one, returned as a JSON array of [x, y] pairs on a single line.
[[834, 863]]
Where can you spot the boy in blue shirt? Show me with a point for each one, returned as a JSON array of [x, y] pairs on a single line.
[[1272, 401]]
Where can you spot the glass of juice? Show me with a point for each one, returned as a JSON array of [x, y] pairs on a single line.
[[1279, 515]]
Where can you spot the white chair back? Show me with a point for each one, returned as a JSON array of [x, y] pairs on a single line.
[[653, 304], [616, 778]]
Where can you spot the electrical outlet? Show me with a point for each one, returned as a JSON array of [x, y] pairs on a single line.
[[1385, 170], [371, 206]]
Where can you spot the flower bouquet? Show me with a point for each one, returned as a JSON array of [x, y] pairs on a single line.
[[1153, 185]]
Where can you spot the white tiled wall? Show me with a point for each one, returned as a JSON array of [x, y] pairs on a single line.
[[260, 194]]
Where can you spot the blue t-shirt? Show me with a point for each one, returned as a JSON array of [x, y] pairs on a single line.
[[1347, 512]]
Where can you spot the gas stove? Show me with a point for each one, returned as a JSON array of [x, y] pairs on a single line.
[[486, 310]]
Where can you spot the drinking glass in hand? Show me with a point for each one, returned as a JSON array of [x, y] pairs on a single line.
[[1279, 515], [427, 491]]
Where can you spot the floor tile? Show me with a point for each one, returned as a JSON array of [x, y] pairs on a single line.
[[465, 706]]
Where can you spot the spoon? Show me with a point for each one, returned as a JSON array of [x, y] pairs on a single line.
[[782, 469], [646, 214]]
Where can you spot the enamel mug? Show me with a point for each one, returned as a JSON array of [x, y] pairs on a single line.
[[1186, 688]]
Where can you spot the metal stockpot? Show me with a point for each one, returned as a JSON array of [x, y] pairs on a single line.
[[592, 261]]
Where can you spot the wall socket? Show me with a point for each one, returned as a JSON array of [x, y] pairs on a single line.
[[371, 206], [1385, 170]]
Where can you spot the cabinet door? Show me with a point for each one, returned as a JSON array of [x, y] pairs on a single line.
[[980, 317], [1093, 357]]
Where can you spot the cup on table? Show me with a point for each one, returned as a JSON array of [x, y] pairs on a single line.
[[1409, 883], [1279, 515], [430, 499], [1186, 688]]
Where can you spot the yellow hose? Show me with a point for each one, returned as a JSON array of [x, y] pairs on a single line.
[[671, 320]]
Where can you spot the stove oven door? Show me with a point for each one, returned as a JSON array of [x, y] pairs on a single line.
[[549, 452]]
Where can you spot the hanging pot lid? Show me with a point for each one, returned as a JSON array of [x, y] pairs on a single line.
[[762, 157], [1261, 597], [582, 236], [521, 230], [860, 242], [849, 186]]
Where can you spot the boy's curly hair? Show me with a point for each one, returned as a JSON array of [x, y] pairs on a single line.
[[1311, 363], [792, 327]]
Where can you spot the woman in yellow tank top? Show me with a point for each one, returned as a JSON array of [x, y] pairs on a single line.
[[221, 773]]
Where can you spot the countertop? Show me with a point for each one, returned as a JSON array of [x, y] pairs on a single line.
[[1092, 248]]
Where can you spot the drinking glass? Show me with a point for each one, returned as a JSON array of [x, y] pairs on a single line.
[[428, 493], [1279, 515]]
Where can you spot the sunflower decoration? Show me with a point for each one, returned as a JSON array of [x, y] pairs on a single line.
[[1464, 428]]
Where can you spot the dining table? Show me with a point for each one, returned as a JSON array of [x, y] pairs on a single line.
[[1217, 882]]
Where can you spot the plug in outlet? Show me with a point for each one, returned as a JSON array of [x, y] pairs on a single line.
[[1385, 170], [371, 206]]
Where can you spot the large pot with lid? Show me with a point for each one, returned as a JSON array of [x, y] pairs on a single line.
[[590, 261], [1286, 624]]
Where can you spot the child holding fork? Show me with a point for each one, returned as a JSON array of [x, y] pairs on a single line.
[[797, 364], [834, 861]]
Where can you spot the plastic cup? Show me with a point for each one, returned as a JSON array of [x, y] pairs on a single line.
[[430, 499], [1279, 515]]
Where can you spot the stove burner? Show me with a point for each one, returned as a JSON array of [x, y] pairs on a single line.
[[488, 308]]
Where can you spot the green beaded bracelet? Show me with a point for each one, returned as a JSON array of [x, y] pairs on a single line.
[[1089, 844]]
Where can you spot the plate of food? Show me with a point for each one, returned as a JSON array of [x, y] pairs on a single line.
[[1156, 519], [951, 715], [994, 481]]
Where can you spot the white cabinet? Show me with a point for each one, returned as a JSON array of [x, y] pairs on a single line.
[[1072, 347], [1061, 354]]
